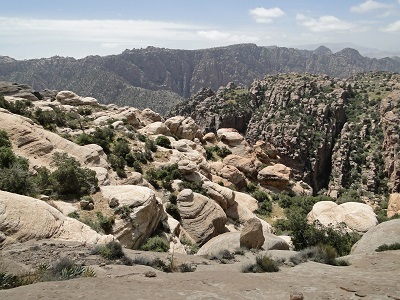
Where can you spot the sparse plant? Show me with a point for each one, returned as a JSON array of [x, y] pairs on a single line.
[[385, 247], [157, 244], [112, 250]]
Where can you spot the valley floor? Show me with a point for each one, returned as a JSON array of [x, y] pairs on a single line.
[[371, 276]]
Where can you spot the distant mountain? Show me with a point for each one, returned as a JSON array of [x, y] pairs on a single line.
[[364, 51], [130, 77]]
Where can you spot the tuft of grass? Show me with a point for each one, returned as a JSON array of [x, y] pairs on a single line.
[[112, 250], [263, 264], [322, 253]]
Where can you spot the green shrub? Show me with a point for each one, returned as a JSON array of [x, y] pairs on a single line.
[[223, 152], [156, 244], [4, 140], [263, 264], [163, 141], [150, 145], [172, 209], [112, 250], [325, 254], [69, 179], [106, 223], [385, 247]]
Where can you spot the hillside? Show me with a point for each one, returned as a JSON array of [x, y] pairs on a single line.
[[334, 133], [128, 78], [122, 194]]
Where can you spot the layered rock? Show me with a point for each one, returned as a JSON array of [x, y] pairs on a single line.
[[38, 145], [24, 218], [145, 213], [201, 217]]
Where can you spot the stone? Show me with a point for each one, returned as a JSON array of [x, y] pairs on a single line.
[[210, 137], [148, 116], [277, 176], [183, 128], [24, 218], [384, 233], [357, 217], [251, 236], [70, 98], [187, 167], [230, 173], [38, 145], [222, 195], [393, 205], [229, 136], [154, 129], [146, 212], [202, 218], [243, 164]]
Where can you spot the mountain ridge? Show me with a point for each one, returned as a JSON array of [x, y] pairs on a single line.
[[176, 74]]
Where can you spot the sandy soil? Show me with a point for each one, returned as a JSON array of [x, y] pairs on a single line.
[[374, 276]]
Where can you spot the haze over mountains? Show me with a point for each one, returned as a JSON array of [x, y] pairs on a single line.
[[160, 78]]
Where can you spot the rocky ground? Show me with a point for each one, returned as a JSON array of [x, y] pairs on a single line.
[[370, 276]]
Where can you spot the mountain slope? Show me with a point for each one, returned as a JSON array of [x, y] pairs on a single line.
[[121, 78]]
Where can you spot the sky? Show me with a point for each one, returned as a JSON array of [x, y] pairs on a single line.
[[45, 28]]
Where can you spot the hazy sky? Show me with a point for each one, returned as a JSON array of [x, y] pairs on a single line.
[[44, 28]]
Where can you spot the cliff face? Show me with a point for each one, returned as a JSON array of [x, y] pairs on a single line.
[[334, 133], [131, 77]]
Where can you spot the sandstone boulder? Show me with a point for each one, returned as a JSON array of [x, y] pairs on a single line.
[[277, 176], [230, 136], [222, 195], [230, 173], [38, 145], [154, 129], [70, 98], [243, 164], [183, 127], [385, 233], [251, 236], [148, 116], [24, 218], [202, 218], [145, 213], [394, 205], [358, 217]]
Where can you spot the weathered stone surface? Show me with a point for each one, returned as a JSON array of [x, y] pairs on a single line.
[[393, 205], [24, 218], [277, 176], [243, 164], [39, 145], [230, 173], [183, 128], [187, 167], [222, 195], [155, 128], [146, 213], [70, 98], [230, 136], [358, 217], [385, 233], [202, 218], [251, 236]]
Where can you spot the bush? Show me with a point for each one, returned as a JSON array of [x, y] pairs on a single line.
[[325, 254], [106, 223], [263, 264], [163, 141], [172, 209], [385, 247], [156, 244], [4, 140], [69, 179], [111, 250]]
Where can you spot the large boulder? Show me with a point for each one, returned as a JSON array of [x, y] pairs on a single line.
[[393, 205], [38, 145], [277, 176], [24, 218], [201, 217], [154, 129], [184, 127], [251, 236], [385, 233], [231, 241], [230, 173], [223, 196], [70, 98], [243, 164], [145, 213], [357, 217]]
